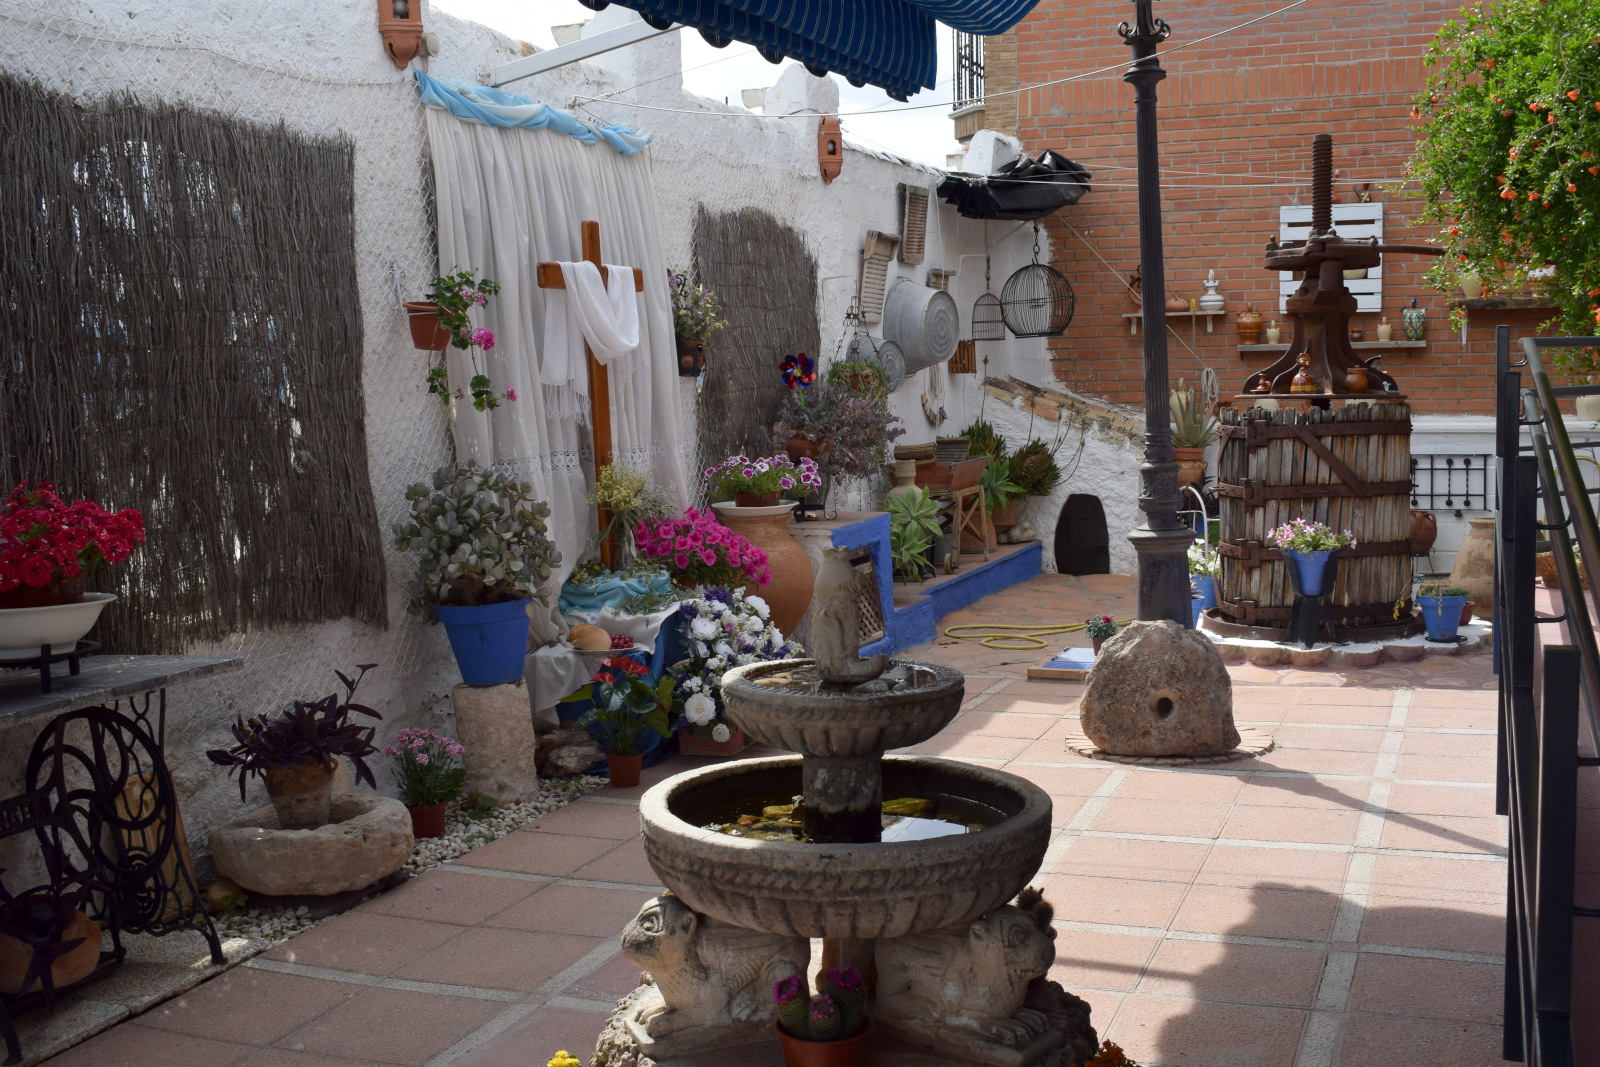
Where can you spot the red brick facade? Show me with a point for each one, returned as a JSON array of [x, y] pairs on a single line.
[[1236, 120]]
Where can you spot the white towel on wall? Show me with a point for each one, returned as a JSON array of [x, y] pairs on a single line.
[[602, 314]]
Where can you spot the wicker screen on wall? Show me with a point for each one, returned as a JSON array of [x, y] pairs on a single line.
[[181, 333], [767, 281]]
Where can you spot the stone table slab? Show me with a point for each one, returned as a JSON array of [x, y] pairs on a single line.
[[102, 680]]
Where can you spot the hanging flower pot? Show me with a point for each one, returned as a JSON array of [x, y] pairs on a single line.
[[427, 332], [301, 795], [691, 358]]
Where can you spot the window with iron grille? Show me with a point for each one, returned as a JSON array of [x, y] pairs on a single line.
[[967, 86]]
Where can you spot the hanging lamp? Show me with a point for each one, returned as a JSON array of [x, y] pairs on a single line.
[[1037, 301]]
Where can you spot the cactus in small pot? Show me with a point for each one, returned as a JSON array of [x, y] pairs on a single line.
[[794, 1005], [826, 1020], [848, 991]]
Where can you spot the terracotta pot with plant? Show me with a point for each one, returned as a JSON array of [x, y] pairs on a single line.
[[694, 319], [826, 1030], [625, 705], [453, 297], [1100, 630], [1192, 431], [722, 630], [428, 772], [294, 753], [846, 430]]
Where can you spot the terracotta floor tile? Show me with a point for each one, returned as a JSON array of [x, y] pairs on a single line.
[[581, 819], [1173, 1031], [248, 1006], [1373, 1039], [1181, 785], [626, 863], [1450, 715], [568, 909], [1064, 809], [1063, 703], [1444, 880], [538, 1036], [1308, 825], [1178, 818], [1316, 761], [1245, 866], [1446, 833], [1258, 911], [1089, 958], [532, 852], [1424, 698], [463, 899], [1061, 729], [612, 980], [498, 958], [1081, 779], [651, 775], [1329, 794], [1441, 800], [1435, 989], [1049, 751], [1117, 901], [1248, 974], [1428, 744], [985, 722], [393, 1026], [1328, 738], [363, 941], [1351, 695], [1339, 714], [133, 1045], [1413, 922], [1110, 857], [1445, 768], [284, 1057], [975, 745]]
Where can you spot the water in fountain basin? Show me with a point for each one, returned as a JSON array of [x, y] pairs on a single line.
[[777, 817]]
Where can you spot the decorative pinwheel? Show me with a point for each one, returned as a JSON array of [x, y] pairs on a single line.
[[799, 369]]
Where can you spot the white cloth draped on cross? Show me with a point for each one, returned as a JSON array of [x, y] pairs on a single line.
[[602, 313]]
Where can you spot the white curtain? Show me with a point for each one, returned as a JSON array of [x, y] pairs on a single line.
[[507, 199]]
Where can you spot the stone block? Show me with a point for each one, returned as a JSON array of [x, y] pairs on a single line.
[[1402, 653], [1339, 658], [1230, 651], [1263, 655], [564, 753], [1159, 689], [1307, 657], [367, 838], [495, 725]]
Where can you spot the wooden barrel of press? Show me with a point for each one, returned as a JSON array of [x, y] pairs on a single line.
[[1349, 467]]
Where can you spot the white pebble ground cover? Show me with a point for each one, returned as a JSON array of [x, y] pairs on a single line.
[[462, 834]]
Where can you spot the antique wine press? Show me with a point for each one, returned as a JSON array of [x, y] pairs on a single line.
[[1320, 365]]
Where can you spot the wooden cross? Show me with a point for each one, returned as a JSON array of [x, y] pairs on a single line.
[[549, 277]]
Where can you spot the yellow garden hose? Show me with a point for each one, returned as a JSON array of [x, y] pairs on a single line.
[[1027, 638]]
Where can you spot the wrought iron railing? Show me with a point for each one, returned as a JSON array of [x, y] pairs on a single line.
[[966, 88], [1544, 686], [1453, 482]]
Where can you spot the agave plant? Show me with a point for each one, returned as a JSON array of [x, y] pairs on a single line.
[[1191, 427], [913, 527], [1033, 467]]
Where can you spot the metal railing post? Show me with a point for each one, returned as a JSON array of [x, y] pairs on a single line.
[[1556, 852]]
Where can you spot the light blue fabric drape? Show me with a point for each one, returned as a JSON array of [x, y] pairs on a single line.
[[493, 107]]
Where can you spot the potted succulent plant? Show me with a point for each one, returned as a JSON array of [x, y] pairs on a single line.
[[694, 319], [48, 550], [625, 705], [723, 629], [1309, 544], [294, 753], [1441, 609], [428, 772], [1192, 431], [826, 1030], [442, 322], [1000, 496], [1100, 630], [484, 552], [913, 528], [46, 942]]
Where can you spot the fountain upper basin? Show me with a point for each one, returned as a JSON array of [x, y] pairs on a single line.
[[845, 890]]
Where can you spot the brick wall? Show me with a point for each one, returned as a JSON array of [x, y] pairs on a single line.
[[1000, 71], [1236, 118]]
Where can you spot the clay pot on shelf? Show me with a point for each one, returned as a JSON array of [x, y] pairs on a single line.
[[1248, 323], [1355, 380], [37, 913], [427, 332], [300, 795], [1176, 303], [789, 592], [624, 770], [427, 820], [1302, 381], [1424, 531], [1191, 466], [1471, 286], [1385, 330], [1415, 322], [1356, 336], [1005, 518], [691, 358], [905, 477], [1273, 334], [1134, 283]]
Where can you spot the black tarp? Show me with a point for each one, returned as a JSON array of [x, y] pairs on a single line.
[[1022, 189]]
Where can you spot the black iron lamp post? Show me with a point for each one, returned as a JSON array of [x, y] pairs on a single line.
[[1162, 541]]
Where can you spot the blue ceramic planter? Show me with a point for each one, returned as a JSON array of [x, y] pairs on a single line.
[[1441, 615], [1309, 566], [490, 640], [1206, 586]]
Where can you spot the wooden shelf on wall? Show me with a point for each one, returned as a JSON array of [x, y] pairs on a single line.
[[1136, 317], [1246, 350], [1505, 303]]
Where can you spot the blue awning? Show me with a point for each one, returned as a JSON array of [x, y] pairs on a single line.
[[887, 43]]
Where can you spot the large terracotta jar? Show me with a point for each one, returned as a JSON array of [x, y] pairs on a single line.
[[1474, 566], [789, 592]]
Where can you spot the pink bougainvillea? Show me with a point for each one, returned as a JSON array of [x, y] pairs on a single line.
[[699, 550], [45, 539]]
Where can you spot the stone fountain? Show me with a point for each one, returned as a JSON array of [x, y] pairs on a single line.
[[959, 973]]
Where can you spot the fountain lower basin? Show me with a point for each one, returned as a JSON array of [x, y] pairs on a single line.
[[867, 890]]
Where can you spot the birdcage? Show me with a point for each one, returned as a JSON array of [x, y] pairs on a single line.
[[1037, 301], [988, 320]]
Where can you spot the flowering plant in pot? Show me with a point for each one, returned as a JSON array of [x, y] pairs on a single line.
[[428, 771], [1441, 609], [849, 434], [755, 483], [625, 705], [699, 550], [484, 553], [695, 311], [723, 629], [1100, 629], [1309, 544], [294, 752], [441, 322], [825, 1030]]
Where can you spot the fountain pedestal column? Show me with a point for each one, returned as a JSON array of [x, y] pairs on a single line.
[[843, 798]]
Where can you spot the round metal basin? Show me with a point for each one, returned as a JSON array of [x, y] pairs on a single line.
[[857, 890], [840, 721]]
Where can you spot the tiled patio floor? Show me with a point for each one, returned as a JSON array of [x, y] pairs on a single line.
[[1338, 901]]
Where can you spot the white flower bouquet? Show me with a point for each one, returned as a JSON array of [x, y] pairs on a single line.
[[723, 630]]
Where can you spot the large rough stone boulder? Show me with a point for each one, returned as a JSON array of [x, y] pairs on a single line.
[[367, 837], [495, 724], [1159, 689], [564, 753]]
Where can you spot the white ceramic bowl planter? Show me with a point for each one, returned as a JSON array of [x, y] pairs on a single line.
[[23, 630]]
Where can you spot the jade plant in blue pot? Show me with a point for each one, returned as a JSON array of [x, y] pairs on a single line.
[[1308, 544], [484, 554], [1441, 609]]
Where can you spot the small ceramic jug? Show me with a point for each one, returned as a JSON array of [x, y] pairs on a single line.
[[1385, 330], [1248, 323], [1273, 333]]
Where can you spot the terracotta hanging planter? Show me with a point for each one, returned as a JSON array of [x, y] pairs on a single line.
[[427, 332], [691, 358]]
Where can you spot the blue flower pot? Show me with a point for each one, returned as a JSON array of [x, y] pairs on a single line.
[[490, 640], [1441, 615], [1309, 566], [1206, 586]]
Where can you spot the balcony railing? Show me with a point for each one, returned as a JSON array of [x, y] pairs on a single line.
[[1543, 687], [967, 72]]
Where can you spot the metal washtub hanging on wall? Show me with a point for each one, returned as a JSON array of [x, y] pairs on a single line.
[[988, 321], [1037, 301]]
